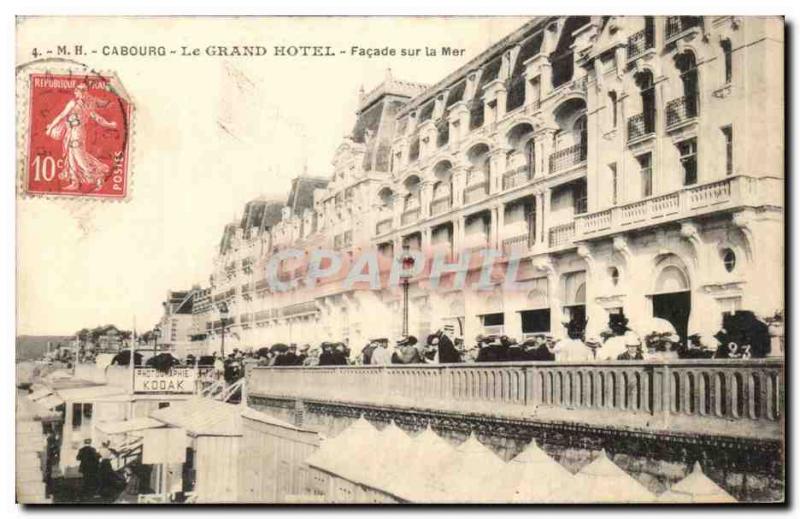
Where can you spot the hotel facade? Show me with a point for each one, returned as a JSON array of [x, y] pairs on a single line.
[[632, 164]]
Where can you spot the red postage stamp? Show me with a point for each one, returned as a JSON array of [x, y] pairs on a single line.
[[78, 136]]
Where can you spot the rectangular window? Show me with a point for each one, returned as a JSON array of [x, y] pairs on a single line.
[[688, 152], [727, 132], [77, 416], [580, 198], [646, 173], [614, 187], [537, 92], [493, 323], [535, 321], [727, 52]]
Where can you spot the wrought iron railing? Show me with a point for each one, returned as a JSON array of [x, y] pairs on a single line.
[[639, 42], [517, 177], [681, 110], [640, 125], [679, 24], [409, 216], [568, 157], [383, 226], [476, 192], [440, 205]]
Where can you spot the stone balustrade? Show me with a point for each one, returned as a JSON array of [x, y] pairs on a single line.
[[728, 193], [741, 398]]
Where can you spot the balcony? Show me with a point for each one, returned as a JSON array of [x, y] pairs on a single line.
[[681, 111], [306, 307], [727, 194], [567, 157], [676, 25], [742, 398], [640, 127], [410, 216], [383, 226], [516, 177], [440, 205], [639, 43], [562, 235], [520, 242], [476, 192]]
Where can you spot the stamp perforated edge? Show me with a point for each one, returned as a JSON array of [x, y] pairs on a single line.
[[62, 66]]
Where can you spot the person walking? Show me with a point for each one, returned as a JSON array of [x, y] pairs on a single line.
[[89, 465]]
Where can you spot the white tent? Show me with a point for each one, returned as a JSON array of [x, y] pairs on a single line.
[[419, 468], [602, 481], [344, 455], [534, 477], [467, 474], [696, 488]]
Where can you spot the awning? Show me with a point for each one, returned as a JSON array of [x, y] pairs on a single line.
[[40, 393], [126, 426], [50, 402]]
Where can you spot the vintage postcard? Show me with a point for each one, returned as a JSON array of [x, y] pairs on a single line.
[[400, 260]]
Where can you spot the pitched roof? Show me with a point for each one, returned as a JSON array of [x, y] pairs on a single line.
[[202, 417]]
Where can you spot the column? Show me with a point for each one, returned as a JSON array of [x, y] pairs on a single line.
[[544, 148], [459, 179], [546, 195], [497, 167], [426, 195], [501, 214], [397, 209], [494, 230]]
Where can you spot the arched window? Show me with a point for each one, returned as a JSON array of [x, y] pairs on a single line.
[[647, 91]]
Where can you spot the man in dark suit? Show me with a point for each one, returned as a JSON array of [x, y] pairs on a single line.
[[89, 466]]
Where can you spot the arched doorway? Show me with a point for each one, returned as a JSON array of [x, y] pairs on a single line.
[[672, 297]]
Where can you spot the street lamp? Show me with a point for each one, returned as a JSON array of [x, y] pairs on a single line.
[[223, 314], [156, 335], [407, 261]]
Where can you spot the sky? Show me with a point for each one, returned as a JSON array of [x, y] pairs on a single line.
[[210, 133]]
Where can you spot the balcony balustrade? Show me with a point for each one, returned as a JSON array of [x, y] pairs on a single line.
[[561, 235], [410, 216], [300, 308], [476, 192], [520, 242], [729, 193], [681, 110], [517, 177], [383, 226], [717, 397], [640, 125], [567, 157], [640, 42], [440, 205]]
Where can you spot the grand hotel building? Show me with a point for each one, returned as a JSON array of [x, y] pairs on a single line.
[[634, 163]]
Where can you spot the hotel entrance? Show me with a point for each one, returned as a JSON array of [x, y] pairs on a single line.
[[672, 298]]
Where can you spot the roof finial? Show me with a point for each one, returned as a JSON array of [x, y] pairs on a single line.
[[388, 76], [361, 93]]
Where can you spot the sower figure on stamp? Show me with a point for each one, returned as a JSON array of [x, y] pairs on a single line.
[[70, 126]]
